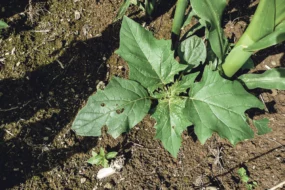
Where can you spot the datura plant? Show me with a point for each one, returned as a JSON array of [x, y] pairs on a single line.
[[178, 95]]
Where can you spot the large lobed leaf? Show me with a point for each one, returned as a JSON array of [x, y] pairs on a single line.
[[262, 126], [211, 11], [270, 79], [151, 61], [218, 105], [120, 106], [171, 120]]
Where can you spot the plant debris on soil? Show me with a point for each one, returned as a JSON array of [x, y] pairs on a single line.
[[52, 58]]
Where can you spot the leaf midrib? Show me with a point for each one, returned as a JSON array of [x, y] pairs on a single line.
[[148, 61]]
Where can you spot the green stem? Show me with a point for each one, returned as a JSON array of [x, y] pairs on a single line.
[[178, 21], [179, 16], [264, 15]]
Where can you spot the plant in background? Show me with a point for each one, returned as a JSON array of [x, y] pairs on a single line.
[[178, 95], [245, 179], [267, 28], [101, 158], [146, 5], [3, 25]]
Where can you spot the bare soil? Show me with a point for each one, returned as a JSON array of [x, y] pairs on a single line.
[[52, 58]]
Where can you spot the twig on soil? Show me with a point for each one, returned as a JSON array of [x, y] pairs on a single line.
[[261, 97], [282, 145], [280, 185], [16, 107], [41, 31], [9, 109], [7, 131], [141, 146], [60, 63]]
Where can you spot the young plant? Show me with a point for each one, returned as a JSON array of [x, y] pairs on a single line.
[[3, 25], [266, 29], [146, 5], [256, 37], [101, 158], [245, 179], [169, 91]]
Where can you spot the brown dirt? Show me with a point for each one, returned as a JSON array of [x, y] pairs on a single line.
[[51, 63]]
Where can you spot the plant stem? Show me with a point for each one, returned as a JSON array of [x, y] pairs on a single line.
[[257, 29], [178, 19]]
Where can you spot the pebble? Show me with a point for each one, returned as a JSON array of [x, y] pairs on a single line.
[[83, 180]]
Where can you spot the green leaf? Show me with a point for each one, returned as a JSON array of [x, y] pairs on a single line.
[[185, 83], [111, 155], [120, 106], [195, 28], [188, 18], [211, 11], [262, 126], [102, 152], [171, 120], [95, 160], [280, 11], [151, 61], [105, 163], [94, 153], [123, 9], [242, 174], [265, 14], [3, 25], [218, 105], [192, 51], [276, 37], [270, 79]]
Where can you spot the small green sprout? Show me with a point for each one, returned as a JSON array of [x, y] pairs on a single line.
[[101, 158], [3, 25], [245, 179]]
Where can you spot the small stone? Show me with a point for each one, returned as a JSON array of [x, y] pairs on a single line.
[[77, 15], [273, 63], [45, 138], [100, 85], [108, 186], [83, 180]]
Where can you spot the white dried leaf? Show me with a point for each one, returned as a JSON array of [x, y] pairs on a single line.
[[105, 172]]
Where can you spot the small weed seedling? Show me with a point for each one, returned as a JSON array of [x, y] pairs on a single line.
[[195, 92], [101, 158], [146, 5], [3, 25], [245, 179]]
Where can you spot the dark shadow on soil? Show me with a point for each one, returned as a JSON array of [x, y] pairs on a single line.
[[15, 13], [238, 9], [50, 88], [59, 89], [242, 164]]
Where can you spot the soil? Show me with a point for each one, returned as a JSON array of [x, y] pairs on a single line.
[[52, 58]]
